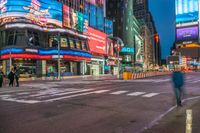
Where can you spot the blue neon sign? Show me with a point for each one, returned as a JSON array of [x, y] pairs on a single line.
[[12, 50], [127, 50]]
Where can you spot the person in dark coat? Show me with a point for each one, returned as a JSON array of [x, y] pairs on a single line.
[[17, 74], [11, 77], [178, 82], [1, 78]]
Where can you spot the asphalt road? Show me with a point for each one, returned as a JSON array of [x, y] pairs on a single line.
[[89, 106]]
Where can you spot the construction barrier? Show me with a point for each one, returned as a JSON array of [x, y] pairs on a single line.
[[147, 74]]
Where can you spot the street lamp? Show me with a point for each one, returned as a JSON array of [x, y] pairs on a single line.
[[118, 47], [59, 78]]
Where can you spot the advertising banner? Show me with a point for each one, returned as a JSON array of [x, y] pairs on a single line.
[[97, 41], [108, 26], [72, 19], [187, 33], [66, 16], [40, 12], [187, 10], [96, 2], [93, 16], [100, 19]]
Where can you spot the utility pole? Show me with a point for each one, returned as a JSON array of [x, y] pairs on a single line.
[[59, 78]]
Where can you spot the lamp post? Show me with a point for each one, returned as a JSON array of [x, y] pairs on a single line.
[[10, 59], [59, 78], [118, 47]]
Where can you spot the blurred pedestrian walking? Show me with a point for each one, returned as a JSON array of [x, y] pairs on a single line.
[[11, 77], [178, 82]]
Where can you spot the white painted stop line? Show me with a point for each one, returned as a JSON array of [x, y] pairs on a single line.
[[118, 92], [136, 93], [150, 95], [101, 91]]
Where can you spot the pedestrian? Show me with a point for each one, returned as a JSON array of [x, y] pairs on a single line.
[[17, 74], [11, 77], [1, 78], [178, 82]]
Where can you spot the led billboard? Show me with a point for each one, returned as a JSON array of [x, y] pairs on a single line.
[[93, 20], [41, 12], [187, 33], [97, 41], [108, 26], [100, 19], [187, 10], [72, 19]]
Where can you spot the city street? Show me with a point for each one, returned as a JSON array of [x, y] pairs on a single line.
[[91, 106]]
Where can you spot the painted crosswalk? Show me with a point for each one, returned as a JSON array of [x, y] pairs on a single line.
[[56, 94]]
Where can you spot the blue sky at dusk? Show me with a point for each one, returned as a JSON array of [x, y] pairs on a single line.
[[163, 12]]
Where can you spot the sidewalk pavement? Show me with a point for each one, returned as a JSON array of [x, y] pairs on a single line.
[[175, 121]]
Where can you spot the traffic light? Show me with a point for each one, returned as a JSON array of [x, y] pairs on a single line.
[[156, 38]]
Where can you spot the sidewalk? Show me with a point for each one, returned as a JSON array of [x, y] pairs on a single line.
[[175, 121]]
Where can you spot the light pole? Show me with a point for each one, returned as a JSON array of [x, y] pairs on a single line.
[[118, 47], [59, 56], [10, 59]]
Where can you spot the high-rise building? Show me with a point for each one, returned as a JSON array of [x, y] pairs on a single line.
[[127, 28], [142, 13]]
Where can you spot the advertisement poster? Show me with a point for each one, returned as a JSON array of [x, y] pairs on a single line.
[[63, 42], [100, 19], [187, 33], [85, 23], [93, 16], [187, 10], [108, 26], [80, 22], [66, 16], [40, 12], [97, 41], [110, 48]]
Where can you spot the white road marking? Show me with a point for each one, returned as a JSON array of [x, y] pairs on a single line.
[[23, 93], [118, 92], [101, 91], [150, 95], [21, 100], [60, 94], [136, 93], [196, 81]]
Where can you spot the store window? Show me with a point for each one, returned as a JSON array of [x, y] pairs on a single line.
[[63, 42], [71, 42], [27, 67], [78, 44], [53, 42], [33, 39], [84, 45]]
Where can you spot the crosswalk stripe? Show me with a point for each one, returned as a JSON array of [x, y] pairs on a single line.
[[150, 95], [101, 91], [118, 92], [136, 93]]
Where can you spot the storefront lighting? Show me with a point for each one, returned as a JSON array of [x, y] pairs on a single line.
[[26, 56], [12, 50]]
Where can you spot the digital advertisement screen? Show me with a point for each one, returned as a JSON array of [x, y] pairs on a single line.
[[100, 19], [41, 12], [72, 19], [187, 33], [108, 26], [187, 10], [66, 16], [97, 41], [93, 20], [85, 23]]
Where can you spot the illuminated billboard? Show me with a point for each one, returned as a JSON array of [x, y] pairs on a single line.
[[187, 10], [93, 16], [187, 33], [100, 19], [72, 19], [40, 12], [108, 26], [97, 41], [96, 2]]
